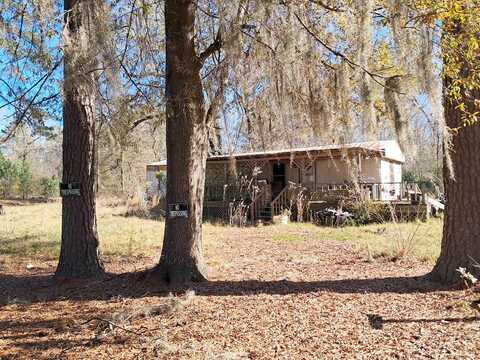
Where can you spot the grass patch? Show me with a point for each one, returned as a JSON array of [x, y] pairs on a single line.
[[34, 231], [379, 240], [287, 237], [390, 239]]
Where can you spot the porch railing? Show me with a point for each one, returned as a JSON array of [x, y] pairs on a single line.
[[282, 200], [374, 191], [259, 204]]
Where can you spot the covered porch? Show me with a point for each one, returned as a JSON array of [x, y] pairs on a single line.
[[263, 204]]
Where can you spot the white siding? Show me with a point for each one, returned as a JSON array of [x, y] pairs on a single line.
[[391, 178], [373, 170], [392, 150]]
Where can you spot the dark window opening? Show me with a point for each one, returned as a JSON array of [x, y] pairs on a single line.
[[279, 178]]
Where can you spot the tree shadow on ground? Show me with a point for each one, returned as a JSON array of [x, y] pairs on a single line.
[[44, 288], [30, 337], [378, 322]]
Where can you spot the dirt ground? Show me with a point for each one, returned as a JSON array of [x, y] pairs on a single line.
[[267, 299]]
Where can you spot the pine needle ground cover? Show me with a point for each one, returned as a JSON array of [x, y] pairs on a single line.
[[294, 291]]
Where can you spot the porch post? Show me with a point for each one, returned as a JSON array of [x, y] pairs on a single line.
[[359, 164]]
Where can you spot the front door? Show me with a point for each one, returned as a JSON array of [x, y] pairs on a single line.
[[279, 178]]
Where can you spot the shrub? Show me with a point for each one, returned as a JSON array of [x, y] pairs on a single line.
[[367, 212], [426, 183], [137, 206], [404, 242], [48, 186]]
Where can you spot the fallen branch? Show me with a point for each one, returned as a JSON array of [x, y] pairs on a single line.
[[112, 325]]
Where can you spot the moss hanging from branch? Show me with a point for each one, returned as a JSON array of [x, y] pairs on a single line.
[[395, 104], [364, 33]]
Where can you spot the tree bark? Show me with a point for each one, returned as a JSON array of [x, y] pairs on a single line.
[[214, 138], [79, 255], [187, 145], [461, 230]]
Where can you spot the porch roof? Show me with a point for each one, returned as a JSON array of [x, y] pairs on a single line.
[[388, 149], [158, 163]]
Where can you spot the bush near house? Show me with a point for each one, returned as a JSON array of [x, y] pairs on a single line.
[[369, 212]]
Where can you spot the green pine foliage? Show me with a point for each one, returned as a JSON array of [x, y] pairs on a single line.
[[25, 180], [48, 186], [18, 181], [8, 176]]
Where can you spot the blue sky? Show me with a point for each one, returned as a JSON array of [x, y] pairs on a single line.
[[36, 55], [381, 34]]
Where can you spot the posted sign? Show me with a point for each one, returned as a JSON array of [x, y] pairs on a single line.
[[178, 210], [70, 189]]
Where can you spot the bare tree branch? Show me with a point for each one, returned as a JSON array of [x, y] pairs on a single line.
[[211, 49], [41, 81], [20, 118], [326, 6]]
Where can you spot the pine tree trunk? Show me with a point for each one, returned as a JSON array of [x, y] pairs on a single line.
[[461, 230], [79, 256], [187, 144]]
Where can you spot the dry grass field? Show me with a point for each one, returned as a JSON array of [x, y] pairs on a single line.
[[294, 291], [33, 232]]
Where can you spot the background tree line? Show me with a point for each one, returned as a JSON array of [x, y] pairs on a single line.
[[29, 166], [16, 180]]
